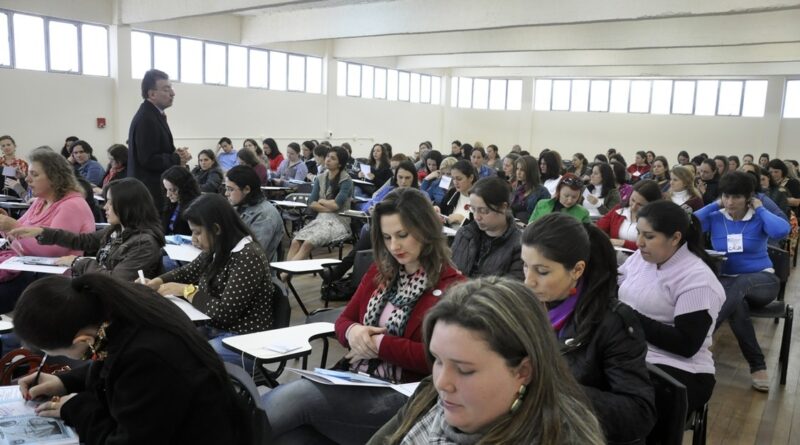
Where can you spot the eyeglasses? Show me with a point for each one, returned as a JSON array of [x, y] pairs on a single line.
[[483, 211]]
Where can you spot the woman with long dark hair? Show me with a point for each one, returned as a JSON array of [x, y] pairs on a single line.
[[571, 268], [529, 190], [601, 193], [248, 158], [117, 165], [550, 170], [620, 222], [181, 189], [639, 167], [380, 172], [272, 153], [242, 188], [208, 173], [455, 204], [153, 378]]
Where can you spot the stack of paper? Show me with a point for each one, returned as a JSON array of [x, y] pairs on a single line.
[[19, 423]]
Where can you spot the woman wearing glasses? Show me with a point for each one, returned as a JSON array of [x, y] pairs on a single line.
[[567, 200], [489, 244]]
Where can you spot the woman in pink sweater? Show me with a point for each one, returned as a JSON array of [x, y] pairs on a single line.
[[59, 204]]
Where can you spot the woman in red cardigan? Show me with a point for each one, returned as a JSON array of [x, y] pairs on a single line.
[[620, 222], [382, 327], [639, 167]]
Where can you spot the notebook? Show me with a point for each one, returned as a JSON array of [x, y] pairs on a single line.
[[19, 423]]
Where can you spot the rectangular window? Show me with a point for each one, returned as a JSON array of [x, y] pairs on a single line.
[[791, 102], [415, 93], [579, 97], [541, 99], [391, 85], [297, 73], [29, 42], [277, 71], [94, 48], [165, 55], [730, 98], [464, 92], [640, 96], [141, 56], [367, 82], [216, 66], [313, 75], [425, 89], [454, 92], [598, 98], [237, 66], [380, 83], [662, 96], [191, 61], [63, 52], [341, 79], [561, 92], [683, 97], [403, 86], [755, 98], [706, 98], [353, 80], [514, 95], [620, 94], [5, 51], [480, 94], [259, 69], [497, 94], [436, 90]]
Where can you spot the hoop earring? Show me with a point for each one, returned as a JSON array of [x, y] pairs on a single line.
[[518, 401]]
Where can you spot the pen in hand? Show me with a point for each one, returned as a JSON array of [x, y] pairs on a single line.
[[141, 277], [38, 373]]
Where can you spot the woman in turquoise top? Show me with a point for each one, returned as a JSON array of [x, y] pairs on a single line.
[[568, 197]]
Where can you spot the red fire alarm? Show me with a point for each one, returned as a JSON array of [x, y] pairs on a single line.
[[101, 122]]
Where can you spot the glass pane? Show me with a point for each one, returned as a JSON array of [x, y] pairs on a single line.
[[140, 54], [436, 90], [514, 101], [297, 73], [620, 90], [598, 100], [380, 83], [415, 88], [662, 94], [237, 66], [165, 55], [480, 93], [580, 96], [640, 96], [191, 61], [367, 82], [63, 46], [403, 85], [391, 85], [541, 98], [791, 104], [94, 47], [425, 89], [706, 101], [561, 95], [215, 64], [497, 94], [277, 71], [29, 42], [259, 68], [464, 92], [454, 92], [341, 79], [730, 98], [353, 79], [683, 97], [755, 97], [313, 75], [5, 52]]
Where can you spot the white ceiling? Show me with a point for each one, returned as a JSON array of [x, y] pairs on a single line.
[[509, 38]]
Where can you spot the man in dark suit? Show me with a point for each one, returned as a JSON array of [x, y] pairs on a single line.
[[151, 149]]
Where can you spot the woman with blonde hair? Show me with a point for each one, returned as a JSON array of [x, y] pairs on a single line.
[[497, 375], [682, 190]]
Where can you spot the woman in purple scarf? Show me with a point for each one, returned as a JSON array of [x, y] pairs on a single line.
[[571, 268]]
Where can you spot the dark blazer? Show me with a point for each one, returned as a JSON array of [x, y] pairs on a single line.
[[151, 149], [502, 258]]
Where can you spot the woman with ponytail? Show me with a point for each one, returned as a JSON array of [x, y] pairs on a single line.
[[571, 268], [153, 379], [683, 296]]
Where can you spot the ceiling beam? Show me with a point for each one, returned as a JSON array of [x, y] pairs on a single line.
[[139, 11], [694, 71]]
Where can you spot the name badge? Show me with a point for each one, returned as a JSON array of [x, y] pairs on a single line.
[[445, 182], [735, 243], [637, 173]]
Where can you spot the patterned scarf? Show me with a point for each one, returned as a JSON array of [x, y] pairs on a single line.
[[432, 428]]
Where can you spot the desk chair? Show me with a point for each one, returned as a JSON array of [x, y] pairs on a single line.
[[296, 217], [779, 308], [671, 410], [245, 388]]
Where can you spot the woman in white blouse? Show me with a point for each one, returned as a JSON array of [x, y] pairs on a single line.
[[620, 222], [601, 194]]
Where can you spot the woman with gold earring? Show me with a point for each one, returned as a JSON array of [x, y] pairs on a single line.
[[153, 378], [572, 270], [497, 375]]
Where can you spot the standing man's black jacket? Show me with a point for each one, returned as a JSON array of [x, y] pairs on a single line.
[[150, 149]]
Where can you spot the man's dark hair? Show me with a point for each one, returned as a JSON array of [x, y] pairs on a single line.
[[149, 81]]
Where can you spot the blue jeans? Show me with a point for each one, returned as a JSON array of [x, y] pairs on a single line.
[[741, 293], [215, 337], [307, 412]]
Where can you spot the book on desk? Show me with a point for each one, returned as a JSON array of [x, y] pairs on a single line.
[[19, 423]]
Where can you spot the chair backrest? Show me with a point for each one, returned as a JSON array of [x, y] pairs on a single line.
[[671, 408], [781, 262], [282, 310], [303, 188], [298, 197], [245, 389], [361, 265]]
